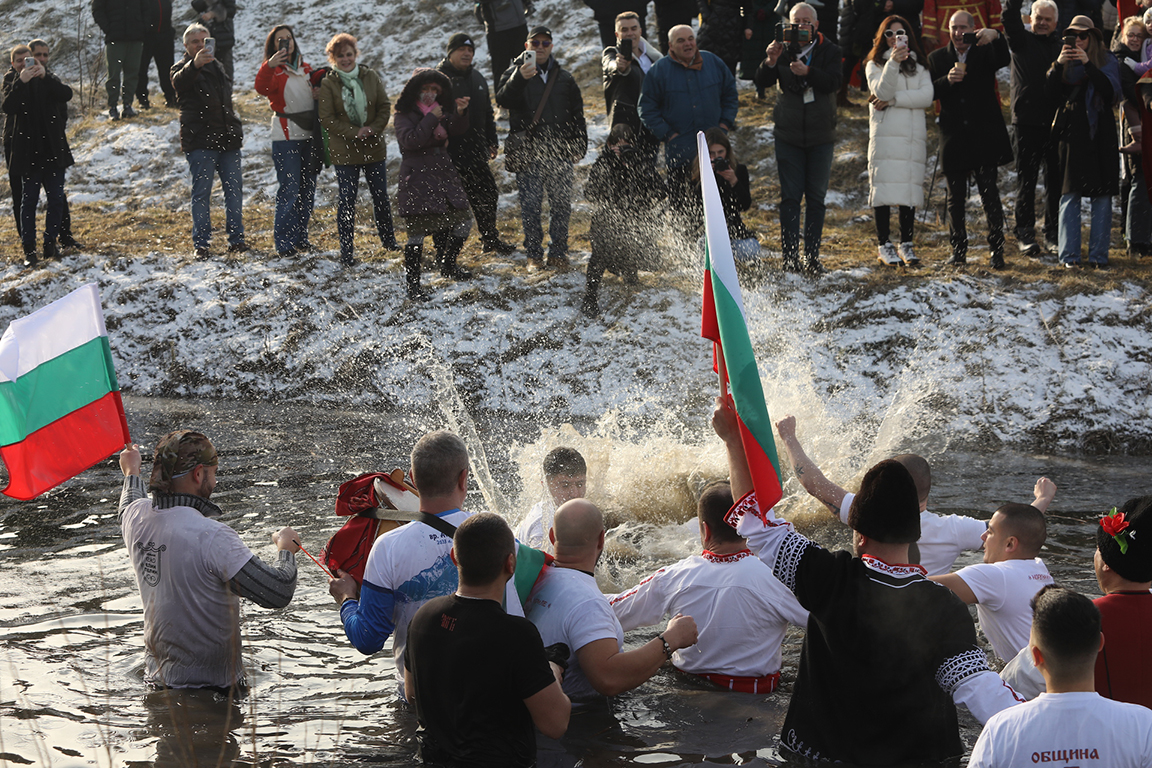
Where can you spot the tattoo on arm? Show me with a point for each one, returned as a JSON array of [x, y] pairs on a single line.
[[799, 470]]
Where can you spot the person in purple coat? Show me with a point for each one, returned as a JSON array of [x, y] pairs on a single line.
[[431, 197]]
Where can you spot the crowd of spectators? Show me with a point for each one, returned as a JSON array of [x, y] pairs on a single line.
[[1069, 73]]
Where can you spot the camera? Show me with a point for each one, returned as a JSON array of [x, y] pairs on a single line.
[[720, 164], [793, 34], [625, 49], [525, 58], [969, 38], [1069, 40], [210, 45]]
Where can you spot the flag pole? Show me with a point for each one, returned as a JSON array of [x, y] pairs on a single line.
[[721, 369]]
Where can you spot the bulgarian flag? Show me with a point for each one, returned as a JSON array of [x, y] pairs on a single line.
[[60, 408], [725, 323]]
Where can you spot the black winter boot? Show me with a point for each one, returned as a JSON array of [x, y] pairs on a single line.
[[448, 266], [412, 272]]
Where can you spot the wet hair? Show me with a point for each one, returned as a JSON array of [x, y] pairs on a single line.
[[38, 43], [1027, 524], [917, 466], [1135, 564], [194, 28], [337, 43], [438, 458], [564, 461], [421, 77], [482, 543], [270, 42], [715, 502], [1067, 629], [17, 50], [628, 16], [879, 46], [178, 453], [886, 507]]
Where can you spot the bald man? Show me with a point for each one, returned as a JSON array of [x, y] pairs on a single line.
[[568, 607]]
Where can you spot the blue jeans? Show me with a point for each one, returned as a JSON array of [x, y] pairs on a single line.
[[804, 173], [1100, 233], [348, 181], [296, 195], [555, 178], [53, 184], [204, 164]]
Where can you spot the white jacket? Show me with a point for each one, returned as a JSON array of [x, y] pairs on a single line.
[[897, 135]]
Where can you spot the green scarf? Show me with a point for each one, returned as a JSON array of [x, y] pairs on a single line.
[[355, 102]]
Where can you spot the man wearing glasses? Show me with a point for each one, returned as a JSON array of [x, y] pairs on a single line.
[[192, 569]]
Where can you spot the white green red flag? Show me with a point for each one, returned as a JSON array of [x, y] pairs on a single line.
[[60, 408], [725, 323]]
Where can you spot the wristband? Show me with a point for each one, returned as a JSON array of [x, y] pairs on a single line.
[[667, 648]]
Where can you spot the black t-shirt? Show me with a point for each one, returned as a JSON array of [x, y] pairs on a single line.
[[472, 666]]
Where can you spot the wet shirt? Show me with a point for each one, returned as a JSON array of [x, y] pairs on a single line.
[[741, 609], [533, 529], [1067, 729], [1004, 591], [473, 666]]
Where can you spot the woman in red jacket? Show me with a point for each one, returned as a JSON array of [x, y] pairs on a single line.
[[283, 78]]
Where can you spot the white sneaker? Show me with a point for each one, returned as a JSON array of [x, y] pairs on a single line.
[[888, 255], [907, 255]]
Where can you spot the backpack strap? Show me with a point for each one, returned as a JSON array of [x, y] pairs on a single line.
[[443, 526]]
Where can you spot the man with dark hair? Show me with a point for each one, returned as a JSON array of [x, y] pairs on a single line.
[[479, 678], [744, 609], [1002, 586], [884, 645], [942, 537], [565, 478], [410, 565], [472, 151], [624, 79], [191, 569], [568, 607], [1070, 723]]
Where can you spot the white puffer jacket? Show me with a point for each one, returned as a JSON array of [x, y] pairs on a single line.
[[897, 135]]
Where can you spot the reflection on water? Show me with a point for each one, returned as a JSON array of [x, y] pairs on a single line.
[[71, 690]]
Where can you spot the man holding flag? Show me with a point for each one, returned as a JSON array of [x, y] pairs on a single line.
[[876, 628]]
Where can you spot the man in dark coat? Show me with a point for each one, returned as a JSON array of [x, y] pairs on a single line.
[[670, 14], [125, 24], [36, 105], [472, 151], [210, 137], [505, 28], [217, 15], [158, 46], [557, 141], [807, 74], [974, 139], [624, 77], [1032, 111]]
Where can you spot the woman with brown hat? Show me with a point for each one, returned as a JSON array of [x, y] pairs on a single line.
[[1086, 78]]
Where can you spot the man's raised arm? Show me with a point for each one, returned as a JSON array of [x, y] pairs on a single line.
[[806, 471]]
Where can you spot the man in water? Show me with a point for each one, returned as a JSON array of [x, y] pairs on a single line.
[[744, 609], [568, 607], [565, 478], [479, 678], [1071, 724], [191, 569], [884, 645]]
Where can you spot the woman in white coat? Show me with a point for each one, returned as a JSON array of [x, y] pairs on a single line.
[[901, 90]]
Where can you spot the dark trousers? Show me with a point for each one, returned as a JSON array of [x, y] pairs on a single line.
[[348, 182], [16, 184], [670, 13], [804, 176], [505, 46], [883, 216], [480, 186], [1033, 151], [53, 185], [159, 48], [989, 198]]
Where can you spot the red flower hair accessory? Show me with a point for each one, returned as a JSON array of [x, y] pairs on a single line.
[[1116, 526]]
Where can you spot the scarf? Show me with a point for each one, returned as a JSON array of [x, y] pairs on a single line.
[[440, 134], [355, 102]]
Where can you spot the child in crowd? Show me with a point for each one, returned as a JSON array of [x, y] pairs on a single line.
[[565, 478]]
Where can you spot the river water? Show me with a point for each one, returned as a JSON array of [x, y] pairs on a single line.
[[71, 657]]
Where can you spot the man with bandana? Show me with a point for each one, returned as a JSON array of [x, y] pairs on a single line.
[[192, 569]]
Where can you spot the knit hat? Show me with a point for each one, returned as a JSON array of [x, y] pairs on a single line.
[[1132, 525], [459, 40], [887, 508], [177, 454]]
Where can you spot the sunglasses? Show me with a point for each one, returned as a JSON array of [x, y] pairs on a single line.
[[541, 43], [895, 33]]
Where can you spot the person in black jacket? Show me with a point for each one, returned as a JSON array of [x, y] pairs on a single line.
[[556, 142], [735, 190], [1032, 112], [37, 106], [217, 15], [808, 75], [158, 47], [472, 151], [974, 139], [125, 24], [210, 137], [624, 77]]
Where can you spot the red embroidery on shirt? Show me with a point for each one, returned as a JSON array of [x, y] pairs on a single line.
[[900, 570], [735, 557]]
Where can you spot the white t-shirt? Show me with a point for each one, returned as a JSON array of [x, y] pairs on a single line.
[[183, 563], [533, 529], [741, 612], [1063, 730], [942, 537], [1024, 678], [568, 607], [1003, 591]]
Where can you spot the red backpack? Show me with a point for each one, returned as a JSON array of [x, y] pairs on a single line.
[[367, 499]]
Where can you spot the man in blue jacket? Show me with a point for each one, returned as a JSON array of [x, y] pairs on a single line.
[[686, 91]]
